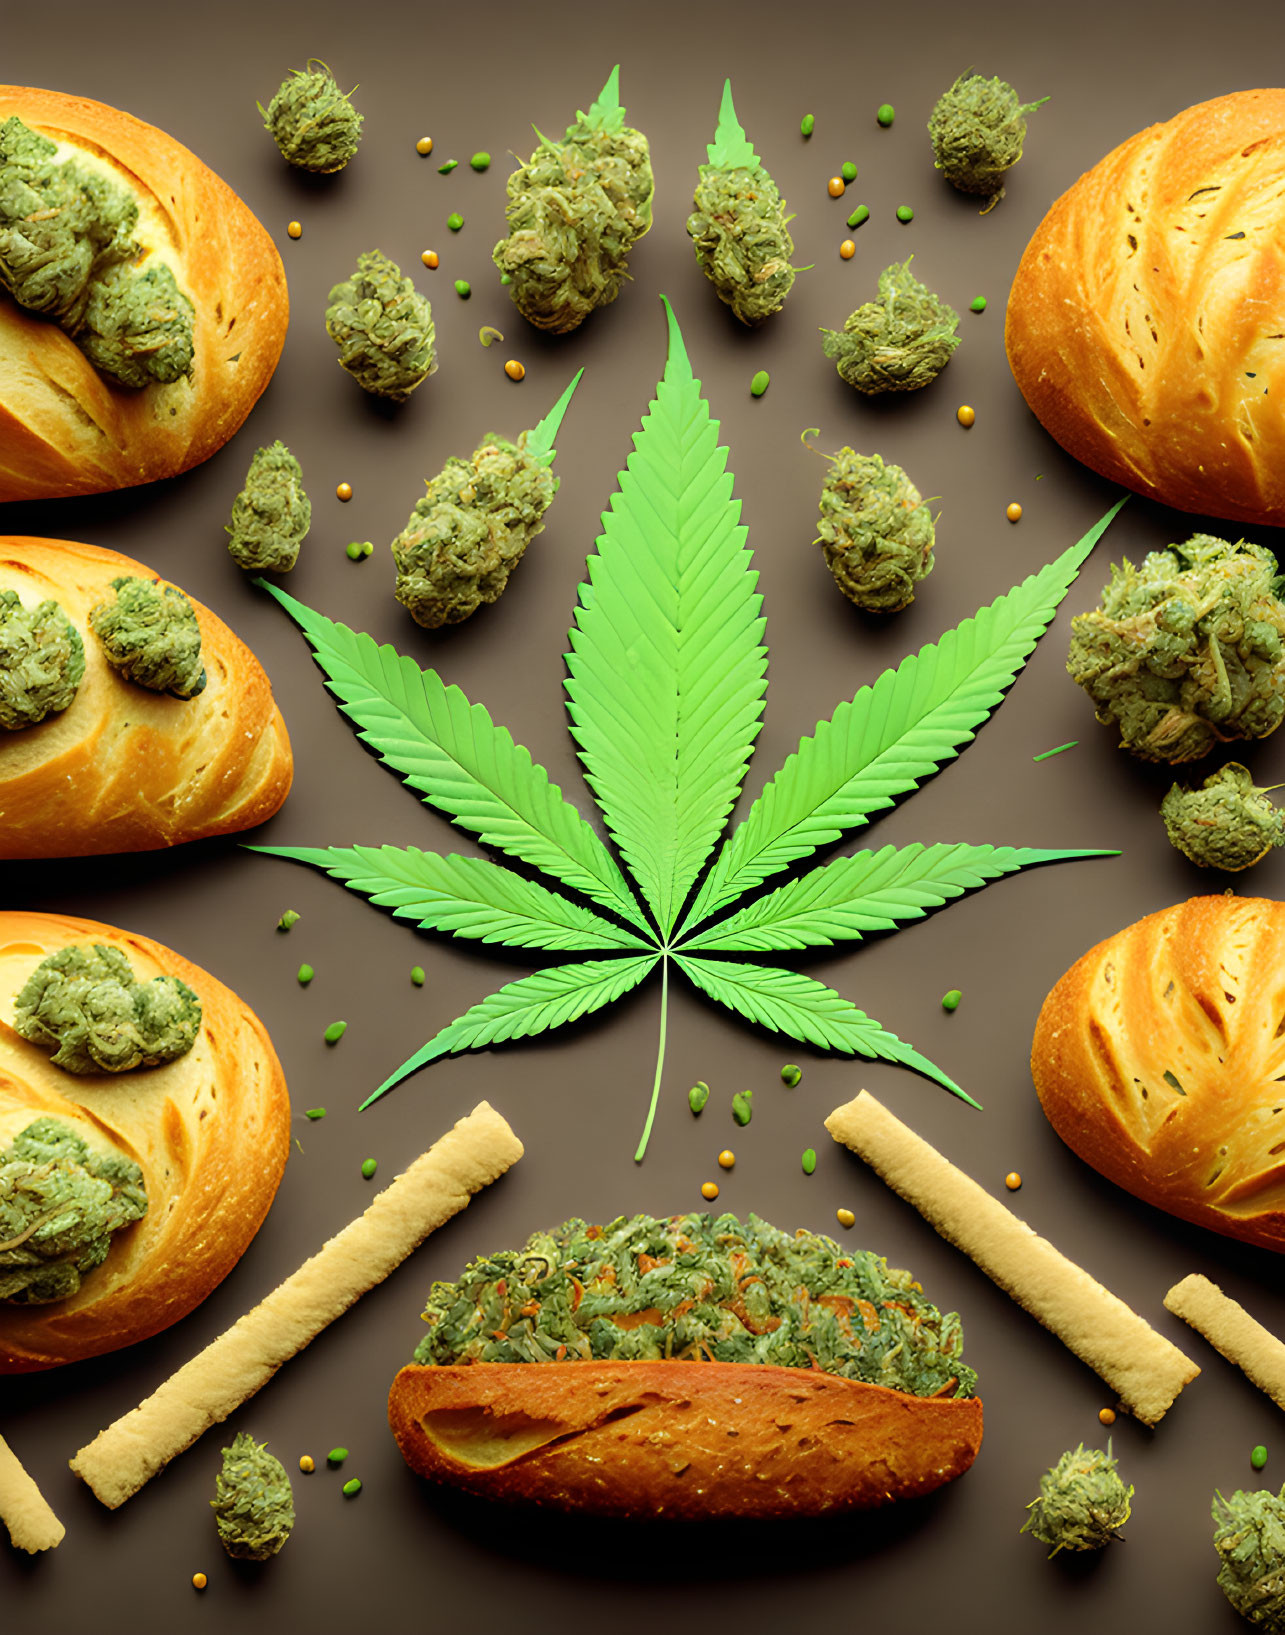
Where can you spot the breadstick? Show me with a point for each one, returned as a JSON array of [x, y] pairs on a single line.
[[216, 1382], [1142, 1366], [1229, 1328], [23, 1509]]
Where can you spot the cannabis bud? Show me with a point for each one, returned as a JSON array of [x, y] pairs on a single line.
[[87, 1005], [876, 531], [42, 661], [575, 210], [383, 328], [1249, 1535], [739, 224], [897, 343], [977, 131], [312, 121], [253, 1503], [151, 635], [1083, 1504], [59, 1205], [1225, 824], [138, 327], [272, 514], [1186, 651]]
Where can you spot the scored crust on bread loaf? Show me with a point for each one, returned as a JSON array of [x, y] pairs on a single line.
[[1160, 1059], [124, 769], [66, 429], [682, 1441], [210, 1131], [1146, 323]]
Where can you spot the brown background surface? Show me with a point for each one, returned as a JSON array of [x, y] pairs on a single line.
[[479, 78]]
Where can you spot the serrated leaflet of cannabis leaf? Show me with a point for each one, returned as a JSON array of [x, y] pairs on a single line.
[[666, 684]]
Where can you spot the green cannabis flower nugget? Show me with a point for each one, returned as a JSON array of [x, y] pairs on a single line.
[[738, 224], [1082, 1504], [253, 1502], [272, 513], [151, 635], [977, 130], [138, 327], [312, 121], [1225, 824], [383, 328], [575, 210], [1186, 651], [42, 661], [897, 343], [60, 1203], [1249, 1536], [88, 1007], [876, 531]]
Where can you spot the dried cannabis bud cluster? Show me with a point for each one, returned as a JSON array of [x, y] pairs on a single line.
[[253, 1502], [1249, 1535], [738, 224], [68, 249], [575, 210], [151, 635], [1186, 651], [977, 130], [312, 121], [272, 513], [383, 328], [60, 1203], [876, 531], [88, 1007], [1225, 824], [42, 661], [1083, 1504], [897, 343]]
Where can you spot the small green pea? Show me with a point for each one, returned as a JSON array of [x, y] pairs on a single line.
[[505, 279], [368, 1168], [288, 919], [1259, 1457], [315, 1113], [743, 1106], [417, 975], [791, 1074], [697, 1096], [886, 114], [336, 1456], [848, 171], [306, 974], [977, 304], [352, 1487], [335, 1032], [859, 215], [760, 383], [905, 213], [807, 125], [950, 1001], [481, 161], [366, 547], [455, 221], [447, 168], [463, 288], [353, 551], [809, 1160]]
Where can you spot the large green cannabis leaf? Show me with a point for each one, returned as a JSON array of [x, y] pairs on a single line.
[[667, 678]]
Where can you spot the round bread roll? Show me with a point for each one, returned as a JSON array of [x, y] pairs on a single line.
[[1160, 1059], [66, 429], [123, 769], [210, 1131], [1146, 323]]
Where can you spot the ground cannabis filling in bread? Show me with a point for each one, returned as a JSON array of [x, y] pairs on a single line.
[[702, 1288], [86, 1005]]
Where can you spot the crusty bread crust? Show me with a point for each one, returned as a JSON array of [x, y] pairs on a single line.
[[66, 429], [1146, 323], [1159, 1059], [211, 1132], [678, 1441], [124, 769]]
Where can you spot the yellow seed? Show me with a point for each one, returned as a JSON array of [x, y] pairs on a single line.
[[845, 1217], [424, 145], [514, 370], [726, 1158], [1014, 512], [295, 229], [965, 415], [836, 187], [847, 249], [344, 491], [199, 1581], [1012, 1180], [709, 1191], [1106, 1416], [307, 1464], [429, 258]]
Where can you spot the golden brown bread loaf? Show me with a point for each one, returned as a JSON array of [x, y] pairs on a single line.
[[682, 1441], [209, 1130], [1160, 1059], [1146, 323], [66, 429], [123, 769]]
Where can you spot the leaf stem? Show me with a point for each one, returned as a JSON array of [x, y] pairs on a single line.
[[660, 1059]]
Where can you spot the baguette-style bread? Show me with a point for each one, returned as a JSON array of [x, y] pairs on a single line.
[[67, 429], [1160, 1059], [680, 1441], [1146, 323], [123, 769], [210, 1131]]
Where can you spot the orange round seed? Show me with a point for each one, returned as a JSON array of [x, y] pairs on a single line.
[[1106, 1416], [836, 187], [1012, 1180], [429, 258], [344, 491], [965, 414], [295, 229], [709, 1191], [1014, 512], [199, 1581], [514, 370], [726, 1158], [845, 1217], [307, 1464], [424, 145], [847, 249]]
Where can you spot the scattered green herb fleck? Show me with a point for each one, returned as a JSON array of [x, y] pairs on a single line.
[[368, 1168], [760, 383], [289, 918], [697, 1096], [849, 171], [253, 1503], [417, 975], [809, 1160], [447, 168], [489, 333], [807, 125], [886, 114], [306, 974], [455, 221], [791, 1073], [1057, 750], [1259, 1457], [352, 1487], [463, 288], [905, 213], [950, 1001], [977, 304], [743, 1106], [858, 216], [335, 1032], [336, 1456], [315, 1113], [481, 161]]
